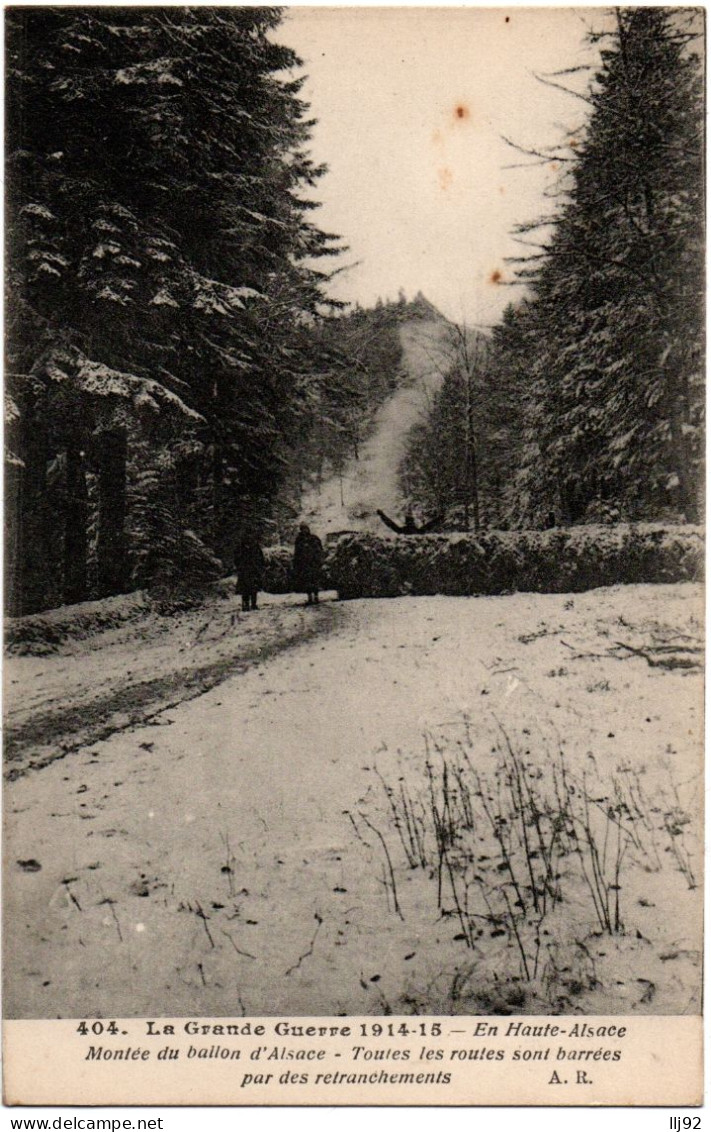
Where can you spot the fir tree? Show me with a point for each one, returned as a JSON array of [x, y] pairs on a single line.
[[160, 265], [614, 328]]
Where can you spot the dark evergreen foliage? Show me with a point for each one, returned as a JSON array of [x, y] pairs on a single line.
[[587, 404], [499, 562], [613, 331], [161, 278]]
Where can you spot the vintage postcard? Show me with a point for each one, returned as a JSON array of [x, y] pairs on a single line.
[[353, 556]]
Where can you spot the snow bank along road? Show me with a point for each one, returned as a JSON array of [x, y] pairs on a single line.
[[203, 864]]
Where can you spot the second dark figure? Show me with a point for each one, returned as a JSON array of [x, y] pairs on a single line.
[[308, 560]]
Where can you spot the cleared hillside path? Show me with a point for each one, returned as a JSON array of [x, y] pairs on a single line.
[[349, 501]]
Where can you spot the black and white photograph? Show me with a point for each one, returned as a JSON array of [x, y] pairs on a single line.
[[354, 396]]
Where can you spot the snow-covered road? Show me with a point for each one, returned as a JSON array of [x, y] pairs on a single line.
[[91, 687], [206, 864]]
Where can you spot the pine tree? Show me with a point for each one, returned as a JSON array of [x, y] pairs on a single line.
[[614, 328], [160, 261]]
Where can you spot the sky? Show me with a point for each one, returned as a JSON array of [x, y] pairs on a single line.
[[412, 105]]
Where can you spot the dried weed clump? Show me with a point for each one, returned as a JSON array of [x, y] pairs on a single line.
[[528, 852]]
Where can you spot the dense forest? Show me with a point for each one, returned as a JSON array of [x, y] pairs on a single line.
[[174, 366], [585, 402], [176, 369]]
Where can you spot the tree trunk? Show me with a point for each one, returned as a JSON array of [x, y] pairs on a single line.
[[688, 488], [111, 544], [186, 487], [218, 471], [679, 413], [471, 461], [75, 529], [13, 540], [32, 576]]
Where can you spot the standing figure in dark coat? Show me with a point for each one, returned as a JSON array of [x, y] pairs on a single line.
[[249, 567], [308, 559], [410, 527]]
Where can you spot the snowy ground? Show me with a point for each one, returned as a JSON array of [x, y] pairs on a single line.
[[350, 501], [109, 680], [203, 862]]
